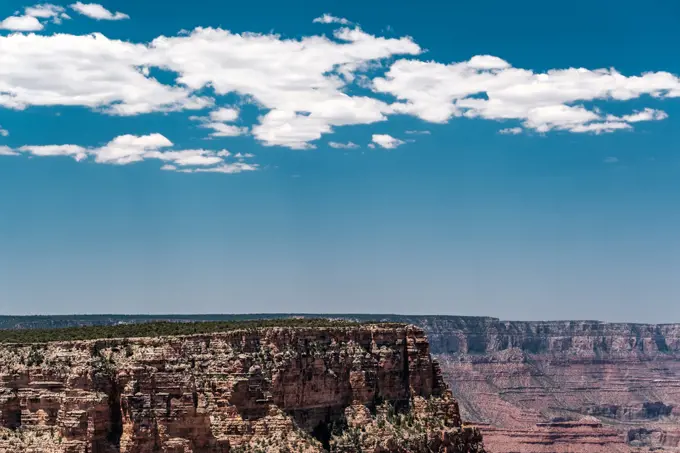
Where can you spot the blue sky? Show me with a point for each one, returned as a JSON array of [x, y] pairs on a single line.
[[511, 160]]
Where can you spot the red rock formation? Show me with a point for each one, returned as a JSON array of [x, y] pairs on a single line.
[[274, 389], [513, 379]]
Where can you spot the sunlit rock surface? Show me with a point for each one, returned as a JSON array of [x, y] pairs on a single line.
[[256, 390]]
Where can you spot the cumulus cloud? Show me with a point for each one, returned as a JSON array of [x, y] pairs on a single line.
[[77, 152], [225, 130], [644, 115], [305, 87], [21, 23], [3, 132], [90, 70], [46, 11], [217, 121], [127, 149], [295, 80], [224, 115], [599, 128], [490, 88], [29, 21], [348, 145], [97, 11], [386, 141], [511, 131], [330, 19], [191, 157], [418, 132], [7, 151]]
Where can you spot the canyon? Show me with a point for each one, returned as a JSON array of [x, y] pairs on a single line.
[[533, 387], [346, 388], [558, 387]]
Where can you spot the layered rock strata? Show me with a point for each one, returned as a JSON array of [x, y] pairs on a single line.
[[371, 388], [534, 387], [553, 387]]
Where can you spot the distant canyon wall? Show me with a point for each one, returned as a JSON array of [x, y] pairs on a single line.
[[555, 387]]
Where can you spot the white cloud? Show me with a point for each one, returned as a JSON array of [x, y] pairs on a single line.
[[224, 115], [3, 132], [236, 167], [386, 141], [611, 160], [192, 157], [329, 19], [217, 121], [511, 131], [46, 11], [599, 128], [127, 149], [77, 152], [21, 23], [7, 151], [296, 81], [225, 130], [348, 145], [304, 87], [418, 132], [90, 70], [29, 21], [97, 11], [645, 115], [487, 62], [289, 129], [559, 116], [489, 88]]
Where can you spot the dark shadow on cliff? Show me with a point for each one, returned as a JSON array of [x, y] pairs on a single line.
[[115, 416]]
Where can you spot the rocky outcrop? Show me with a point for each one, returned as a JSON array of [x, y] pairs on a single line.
[[256, 390], [517, 380]]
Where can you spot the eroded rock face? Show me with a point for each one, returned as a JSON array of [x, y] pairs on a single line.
[[533, 387], [274, 389]]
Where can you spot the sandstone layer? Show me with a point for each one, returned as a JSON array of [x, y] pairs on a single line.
[[532, 387], [556, 387], [371, 388]]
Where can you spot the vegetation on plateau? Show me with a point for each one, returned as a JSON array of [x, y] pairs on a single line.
[[158, 329]]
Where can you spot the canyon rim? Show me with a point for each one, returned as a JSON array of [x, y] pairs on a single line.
[[363, 387], [530, 387]]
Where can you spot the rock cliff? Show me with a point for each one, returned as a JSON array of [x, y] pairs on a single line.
[[531, 387], [552, 387], [371, 388]]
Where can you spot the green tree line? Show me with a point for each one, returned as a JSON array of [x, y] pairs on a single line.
[[165, 328]]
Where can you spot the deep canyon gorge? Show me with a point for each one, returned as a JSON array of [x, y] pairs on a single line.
[[529, 387], [558, 387]]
